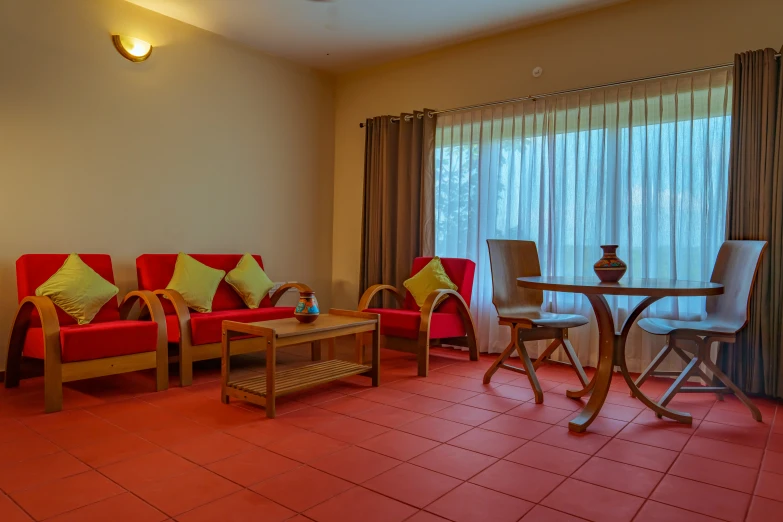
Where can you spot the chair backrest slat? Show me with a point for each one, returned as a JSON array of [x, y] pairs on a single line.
[[735, 268], [510, 259]]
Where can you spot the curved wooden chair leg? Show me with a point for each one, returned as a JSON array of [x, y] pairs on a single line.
[[587, 389], [473, 348], [531, 372], [185, 345], [185, 364], [423, 357], [754, 411], [427, 309], [150, 308], [500, 360], [50, 327], [53, 379], [13, 362], [470, 328]]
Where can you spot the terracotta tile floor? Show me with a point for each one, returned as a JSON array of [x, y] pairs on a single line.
[[418, 450]]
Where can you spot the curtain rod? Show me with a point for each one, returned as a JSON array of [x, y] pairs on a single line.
[[568, 91]]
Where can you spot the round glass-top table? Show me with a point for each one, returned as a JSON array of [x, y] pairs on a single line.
[[611, 343]]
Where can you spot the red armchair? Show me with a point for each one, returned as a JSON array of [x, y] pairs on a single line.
[[109, 345], [410, 329], [198, 336]]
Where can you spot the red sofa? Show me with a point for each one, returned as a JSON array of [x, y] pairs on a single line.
[[107, 346], [198, 335], [410, 329]]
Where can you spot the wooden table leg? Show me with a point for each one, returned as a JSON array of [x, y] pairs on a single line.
[[360, 348], [603, 374], [330, 348], [376, 356], [315, 351], [578, 394], [271, 363], [611, 348], [225, 366]]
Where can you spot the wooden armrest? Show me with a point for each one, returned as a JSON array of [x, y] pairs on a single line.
[[182, 311], [434, 299], [148, 299], [364, 302], [47, 312], [284, 288], [50, 325], [154, 307]]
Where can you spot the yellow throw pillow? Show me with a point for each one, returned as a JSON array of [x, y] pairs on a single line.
[[250, 281], [196, 282], [431, 277], [78, 289]]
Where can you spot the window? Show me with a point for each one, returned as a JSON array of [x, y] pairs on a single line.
[[643, 165]]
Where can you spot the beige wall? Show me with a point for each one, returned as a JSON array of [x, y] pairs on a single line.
[[206, 147], [626, 41]]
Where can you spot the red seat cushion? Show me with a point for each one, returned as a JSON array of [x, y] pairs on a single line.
[[405, 323], [208, 328], [97, 340]]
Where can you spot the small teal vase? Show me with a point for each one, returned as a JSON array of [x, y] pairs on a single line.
[[307, 308]]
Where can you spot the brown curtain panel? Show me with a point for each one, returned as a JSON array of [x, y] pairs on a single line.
[[755, 211], [399, 198]]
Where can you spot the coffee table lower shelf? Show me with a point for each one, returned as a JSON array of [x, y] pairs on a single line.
[[295, 379]]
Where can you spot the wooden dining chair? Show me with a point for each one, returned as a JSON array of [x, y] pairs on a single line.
[[520, 309], [735, 268]]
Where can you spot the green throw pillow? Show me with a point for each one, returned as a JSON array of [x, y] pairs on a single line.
[[250, 281], [196, 282], [78, 289], [431, 277]]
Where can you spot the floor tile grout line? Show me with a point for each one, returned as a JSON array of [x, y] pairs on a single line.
[[98, 469], [763, 458], [446, 442], [89, 503], [17, 504], [468, 480], [472, 427], [172, 477]]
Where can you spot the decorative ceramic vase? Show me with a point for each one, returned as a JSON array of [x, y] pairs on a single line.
[[307, 308], [610, 268]]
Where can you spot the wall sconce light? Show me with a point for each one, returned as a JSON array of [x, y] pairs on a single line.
[[132, 48]]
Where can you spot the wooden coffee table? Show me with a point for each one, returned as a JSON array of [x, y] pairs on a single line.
[[263, 390]]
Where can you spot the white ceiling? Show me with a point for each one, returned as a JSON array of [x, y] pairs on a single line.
[[340, 35]]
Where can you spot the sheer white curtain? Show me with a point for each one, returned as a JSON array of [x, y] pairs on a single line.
[[643, 165]]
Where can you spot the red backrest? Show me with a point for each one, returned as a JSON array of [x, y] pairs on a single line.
[[154, 272], [32, 270], [459, 270]]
